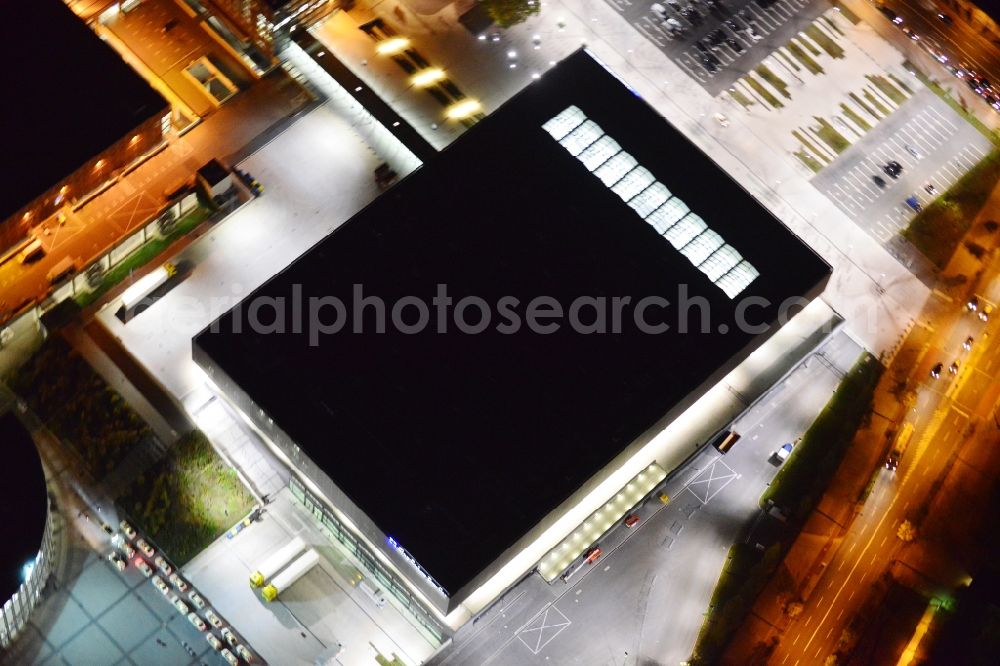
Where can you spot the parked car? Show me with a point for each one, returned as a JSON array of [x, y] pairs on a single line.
[[244, 654], [196, 599], [117, 561], [632, 520], [178, 603], [163, 565], [783, 453], [213, 641], [592, 555], [144, 567], [198, 623], [127, 530], [213, 619], [145, 547], [178, 582], [160, 585], [230, 657]]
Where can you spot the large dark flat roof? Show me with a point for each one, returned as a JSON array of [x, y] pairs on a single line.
[[67, 97], [454, 444], [23, 512]]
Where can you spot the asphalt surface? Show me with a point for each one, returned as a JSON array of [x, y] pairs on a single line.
[[945, 409], [943, 145], [774, 26], [643, 600]]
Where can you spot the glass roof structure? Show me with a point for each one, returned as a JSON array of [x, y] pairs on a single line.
[[651, 200]]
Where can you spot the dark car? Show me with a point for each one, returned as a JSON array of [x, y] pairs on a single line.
[[892, 169], [944, 18], [891, 15], [734, 45], [716, 37], [710, 64], [892, 462], [878, 180], [936, 370]]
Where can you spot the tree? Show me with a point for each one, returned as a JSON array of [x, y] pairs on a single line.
[[507, 13], [794, 609], [906, 532]]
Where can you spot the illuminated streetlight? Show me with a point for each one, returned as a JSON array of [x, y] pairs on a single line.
[[427, 77], [392, 46], [463, 109]]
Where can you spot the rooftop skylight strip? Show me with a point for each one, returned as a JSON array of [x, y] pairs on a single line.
[[651, 200]]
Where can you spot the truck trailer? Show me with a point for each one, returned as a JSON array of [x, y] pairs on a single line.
[[146, 285], [286, 578], [276, 562]]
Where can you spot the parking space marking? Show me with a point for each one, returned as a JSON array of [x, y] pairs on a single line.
[[711, 481], [543, 628]]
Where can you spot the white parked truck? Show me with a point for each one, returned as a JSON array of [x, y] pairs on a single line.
[[146, 285], [286, 578], [278, 560]]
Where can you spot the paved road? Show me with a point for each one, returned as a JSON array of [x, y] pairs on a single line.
[[127, 205], [774, 26], [941, 417], [643, 601], [945, 145]]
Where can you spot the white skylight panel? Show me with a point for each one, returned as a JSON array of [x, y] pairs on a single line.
[[738, 279], [701, 246], [667, 215], [685, 231], [612, 171], [584, 135], [599, 152], [633, 182], [564, 123], [720, 262], [650, 199]]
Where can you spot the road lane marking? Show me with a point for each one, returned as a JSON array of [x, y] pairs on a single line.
[[851, 573]]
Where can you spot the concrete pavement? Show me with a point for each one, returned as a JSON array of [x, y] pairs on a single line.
[[644, 600]]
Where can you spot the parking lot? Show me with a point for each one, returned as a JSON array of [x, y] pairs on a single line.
[[754, 33], [931, 143]]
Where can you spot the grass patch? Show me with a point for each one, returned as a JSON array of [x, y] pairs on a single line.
[[852, 114], [804, 58], [847, 13], [824, 41], [79, 407], [742, 99], [809, 47], [887, 88], [143, 255], [901, 84], [805, 142], [789, 61], [863, 104], [830, 136], [743, 577], [801, 481], [763, 92], [805, 475], [877, 104], [776, 82], [950, 101], [940, 227], [831, 25], [806, 159], [188, 499]]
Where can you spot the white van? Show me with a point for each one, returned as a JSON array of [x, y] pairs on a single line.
[[31, 252]]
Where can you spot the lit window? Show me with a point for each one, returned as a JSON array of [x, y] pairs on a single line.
[[584, 135], [650, 199], [701, 246], [720, 262], [685, 231], [564, 123], [612, 171], [737, 279], [633, 182], [599, 152]]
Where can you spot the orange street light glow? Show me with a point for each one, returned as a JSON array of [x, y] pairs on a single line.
[[463, 109], [392, 46]]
